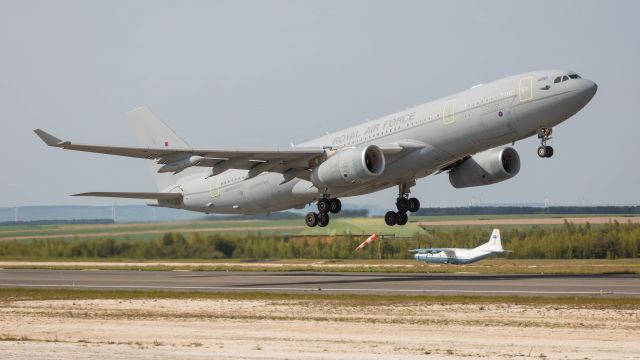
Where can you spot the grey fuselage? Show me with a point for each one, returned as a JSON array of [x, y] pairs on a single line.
[[443, 131]]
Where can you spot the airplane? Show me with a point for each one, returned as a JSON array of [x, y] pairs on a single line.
[[460, 256], [463, 134]]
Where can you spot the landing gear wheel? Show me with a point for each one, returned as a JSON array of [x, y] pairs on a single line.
[[544, 134], [323, 220], [390, 218], [324, 205], [311, 219], [402, 204], [401, 218], [335, 205], [542, 151], [414, 205]]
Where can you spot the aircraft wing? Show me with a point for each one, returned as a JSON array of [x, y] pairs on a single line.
[[293, 162], [276, 160]]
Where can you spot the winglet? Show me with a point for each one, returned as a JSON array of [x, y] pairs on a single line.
[[48, 138]]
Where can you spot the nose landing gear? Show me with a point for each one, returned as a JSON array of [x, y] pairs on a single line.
[[544, 134], [325, 206]]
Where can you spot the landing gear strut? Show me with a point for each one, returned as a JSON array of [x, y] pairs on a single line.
[[403, 203], [544, 134], [325, 206]]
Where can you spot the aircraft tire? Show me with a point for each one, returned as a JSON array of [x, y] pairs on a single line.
[[549, 151], [311, 219], [324, 205], [401, 218], [335, 205], [323, 220], [542, 151], [402, 204], [414, 205], [390, 218]]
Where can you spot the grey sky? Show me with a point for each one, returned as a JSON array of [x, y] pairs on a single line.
[[264, 74]]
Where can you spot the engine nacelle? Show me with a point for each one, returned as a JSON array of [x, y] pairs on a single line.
[[349, 166], [488, 167]]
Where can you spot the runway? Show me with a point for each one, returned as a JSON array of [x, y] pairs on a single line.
[[379, 283]]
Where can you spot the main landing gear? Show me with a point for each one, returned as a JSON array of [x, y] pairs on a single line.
[[325, 206], [545, 151], [403, 203]]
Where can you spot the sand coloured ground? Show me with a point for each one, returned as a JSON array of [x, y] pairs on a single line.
[[311, 329]]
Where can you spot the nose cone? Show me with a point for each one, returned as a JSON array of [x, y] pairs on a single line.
[[584, 92], [587, 89]]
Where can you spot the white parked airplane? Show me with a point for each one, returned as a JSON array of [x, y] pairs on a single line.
[[460, 256], [460, 133]]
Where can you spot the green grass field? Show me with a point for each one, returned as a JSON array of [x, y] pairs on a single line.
[[487, 266], [338, 226]]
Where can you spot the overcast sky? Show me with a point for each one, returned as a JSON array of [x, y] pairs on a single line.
[[268, 73]]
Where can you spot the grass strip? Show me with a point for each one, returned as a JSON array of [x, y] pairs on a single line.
[[595, 301], [489, 266]]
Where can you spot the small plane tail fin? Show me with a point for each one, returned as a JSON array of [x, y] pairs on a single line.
[[494, 244], [153, 132]]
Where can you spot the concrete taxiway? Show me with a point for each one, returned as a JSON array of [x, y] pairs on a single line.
[[383, 283]]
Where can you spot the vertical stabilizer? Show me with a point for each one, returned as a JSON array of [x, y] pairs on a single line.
[[152, 132], [494, 243]]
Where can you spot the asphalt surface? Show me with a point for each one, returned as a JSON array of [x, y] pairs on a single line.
[[384, 283]]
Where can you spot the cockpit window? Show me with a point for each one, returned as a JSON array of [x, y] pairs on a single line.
[[557, 80], [565, 78], [575, 76]]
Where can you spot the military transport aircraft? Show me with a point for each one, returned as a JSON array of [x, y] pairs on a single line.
[[462, 134], [460, 256]]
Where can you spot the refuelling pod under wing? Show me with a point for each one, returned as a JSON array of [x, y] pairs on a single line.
[[349, 166], [485, 168]]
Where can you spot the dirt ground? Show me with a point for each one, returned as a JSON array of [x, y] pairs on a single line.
[[311, 329]]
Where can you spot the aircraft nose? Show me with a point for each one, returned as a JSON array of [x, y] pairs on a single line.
[[588, 89]]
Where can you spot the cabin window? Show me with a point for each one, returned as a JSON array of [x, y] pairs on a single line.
[[557, 80], [565, 78]]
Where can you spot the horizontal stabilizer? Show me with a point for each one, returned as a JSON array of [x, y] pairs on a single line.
[[134, 195]]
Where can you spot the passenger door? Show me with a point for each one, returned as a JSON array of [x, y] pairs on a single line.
[[525, 89]]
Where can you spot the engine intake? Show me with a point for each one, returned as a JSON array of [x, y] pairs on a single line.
[[349, 166], [485, 168]]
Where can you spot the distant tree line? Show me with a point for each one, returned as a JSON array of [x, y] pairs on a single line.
[[610, 241], [56, 222], [528, 210]]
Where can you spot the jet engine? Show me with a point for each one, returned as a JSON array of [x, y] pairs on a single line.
[[487, 167], [349, 166]]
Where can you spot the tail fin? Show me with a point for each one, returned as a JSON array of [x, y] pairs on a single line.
[[151, 131], [494, 243]]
